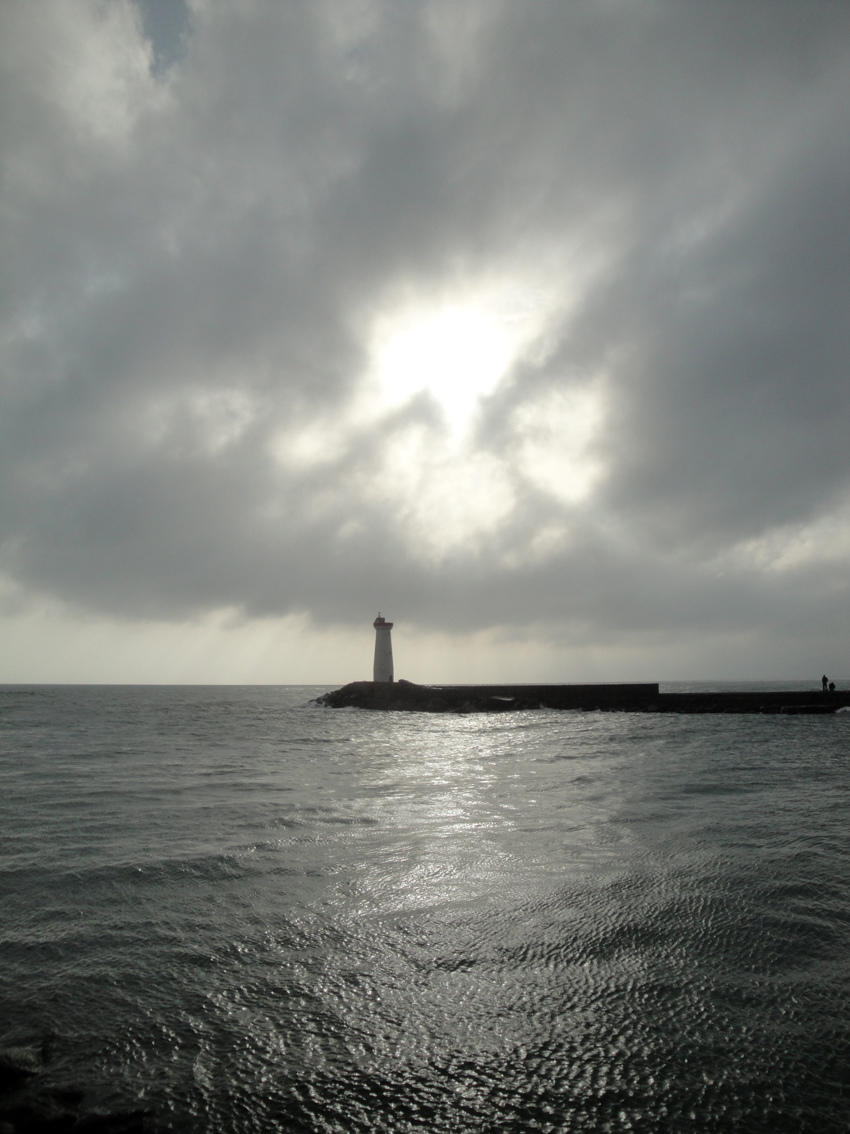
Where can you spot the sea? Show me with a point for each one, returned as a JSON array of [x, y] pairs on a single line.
[[238, 911]]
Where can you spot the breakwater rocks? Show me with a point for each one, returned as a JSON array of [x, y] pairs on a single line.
[[30, 1103], [405, 696]]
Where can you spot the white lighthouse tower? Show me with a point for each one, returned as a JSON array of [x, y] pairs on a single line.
[[383, 670]]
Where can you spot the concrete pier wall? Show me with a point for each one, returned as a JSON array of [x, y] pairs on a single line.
[[404, 696]]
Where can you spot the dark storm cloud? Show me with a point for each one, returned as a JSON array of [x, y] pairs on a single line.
[[197, 244]]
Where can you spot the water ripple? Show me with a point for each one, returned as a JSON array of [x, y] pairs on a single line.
[[250, 915]]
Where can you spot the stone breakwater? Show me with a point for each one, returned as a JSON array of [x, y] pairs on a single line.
[[405, 696]]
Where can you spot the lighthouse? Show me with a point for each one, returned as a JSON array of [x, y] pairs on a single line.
[[383, 670]]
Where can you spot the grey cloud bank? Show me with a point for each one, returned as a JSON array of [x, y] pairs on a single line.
[[497, 317]]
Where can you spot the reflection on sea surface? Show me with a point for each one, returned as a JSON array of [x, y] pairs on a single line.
[[250, 914]]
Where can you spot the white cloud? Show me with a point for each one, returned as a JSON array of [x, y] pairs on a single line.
[[557, 432]]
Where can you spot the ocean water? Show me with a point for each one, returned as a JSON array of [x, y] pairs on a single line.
[[247, 913]]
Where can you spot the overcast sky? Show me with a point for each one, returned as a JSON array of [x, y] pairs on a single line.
[[527, 325]]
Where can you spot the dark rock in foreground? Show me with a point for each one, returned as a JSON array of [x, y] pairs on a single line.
[[404, 696], [30, 1106]]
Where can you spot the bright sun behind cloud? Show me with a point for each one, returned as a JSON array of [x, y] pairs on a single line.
[[457, 354]]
